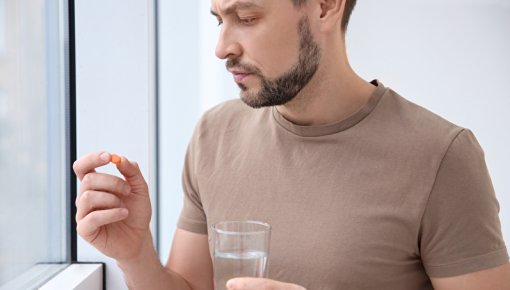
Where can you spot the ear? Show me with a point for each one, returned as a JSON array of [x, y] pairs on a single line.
[[331, 14]]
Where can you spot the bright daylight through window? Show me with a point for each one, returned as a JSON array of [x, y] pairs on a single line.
[[34, 142]]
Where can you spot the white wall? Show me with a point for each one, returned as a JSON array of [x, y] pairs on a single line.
[[113, 91], [179, 48], [191, 80], [449, 56]]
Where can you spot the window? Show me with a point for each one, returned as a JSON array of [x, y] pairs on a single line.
[[34, 142]]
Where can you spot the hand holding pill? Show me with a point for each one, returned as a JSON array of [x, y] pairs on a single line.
[[113, 213]]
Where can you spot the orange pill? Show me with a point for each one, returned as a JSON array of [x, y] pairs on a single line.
[[116, 159]]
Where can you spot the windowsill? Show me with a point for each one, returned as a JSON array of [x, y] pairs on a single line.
[[59, 276], [35, 276], [78, 277]]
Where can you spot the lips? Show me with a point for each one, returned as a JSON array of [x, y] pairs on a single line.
[[239, 74], [239, 77]]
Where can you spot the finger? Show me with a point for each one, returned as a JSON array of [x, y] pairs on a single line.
[[105, 182], [95, 200], [90, 224], [131, 172], [259, 284], [90, 162]]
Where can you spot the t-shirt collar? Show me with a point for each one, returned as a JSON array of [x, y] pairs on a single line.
[[322, 130]]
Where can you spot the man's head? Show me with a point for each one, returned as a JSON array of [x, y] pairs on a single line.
[[274, 48]]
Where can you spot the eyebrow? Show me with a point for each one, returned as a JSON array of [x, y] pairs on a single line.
[[241, 5]]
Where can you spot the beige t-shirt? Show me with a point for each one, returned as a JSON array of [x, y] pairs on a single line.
[[382, 200]]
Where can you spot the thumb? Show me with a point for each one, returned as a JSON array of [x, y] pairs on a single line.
[[131, 172], [259, 284], [245, 283]]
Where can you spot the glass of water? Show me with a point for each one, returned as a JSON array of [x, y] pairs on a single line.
[[241, 249]]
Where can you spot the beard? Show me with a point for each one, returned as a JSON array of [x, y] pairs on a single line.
[[283, 89]]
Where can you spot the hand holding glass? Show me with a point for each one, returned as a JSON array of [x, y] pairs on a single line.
[[241, 249]]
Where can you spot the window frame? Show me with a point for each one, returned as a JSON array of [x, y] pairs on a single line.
[[45, 275]]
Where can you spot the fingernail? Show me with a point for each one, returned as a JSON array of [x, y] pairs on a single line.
[[127, 189], [124, 212], [231, 284], [105, 157]]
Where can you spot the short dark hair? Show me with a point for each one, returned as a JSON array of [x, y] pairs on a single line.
[[349, 6]]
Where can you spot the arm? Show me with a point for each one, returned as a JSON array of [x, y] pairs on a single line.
[[189, 266], [146, 272], [190, 257], [113, 215], [497, 278]]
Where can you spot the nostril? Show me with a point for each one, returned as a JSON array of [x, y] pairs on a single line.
[[227, 47]]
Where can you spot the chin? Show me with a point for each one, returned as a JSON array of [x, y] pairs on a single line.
[[252, 99]]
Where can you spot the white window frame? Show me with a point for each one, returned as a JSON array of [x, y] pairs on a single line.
[[78, 277]]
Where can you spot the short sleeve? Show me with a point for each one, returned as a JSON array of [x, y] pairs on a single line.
[[460, 230], [192, 218]]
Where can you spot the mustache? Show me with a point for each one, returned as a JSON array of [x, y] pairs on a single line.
[[236, 64]]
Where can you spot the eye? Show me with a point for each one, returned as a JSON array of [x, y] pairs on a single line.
[[220, 22], [249, 20]]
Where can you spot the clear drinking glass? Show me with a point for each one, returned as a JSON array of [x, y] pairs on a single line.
[[241, 249]]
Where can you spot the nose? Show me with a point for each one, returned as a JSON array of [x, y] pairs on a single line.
[[227, 46]]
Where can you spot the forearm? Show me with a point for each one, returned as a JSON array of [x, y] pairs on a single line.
[[147, 272]]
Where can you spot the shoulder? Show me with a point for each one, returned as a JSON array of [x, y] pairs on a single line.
[[412, 124], [416, 116]]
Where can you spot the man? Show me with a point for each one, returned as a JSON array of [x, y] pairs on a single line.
[[364, 189]]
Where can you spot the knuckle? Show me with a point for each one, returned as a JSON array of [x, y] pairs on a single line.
[[119, 184], [86, 181], [92, 219], [79, 229], [86, 197]]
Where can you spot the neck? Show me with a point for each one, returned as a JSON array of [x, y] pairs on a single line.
[[332, 95]]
